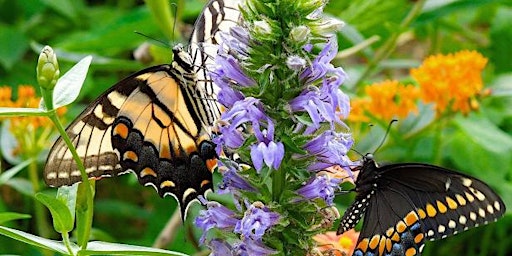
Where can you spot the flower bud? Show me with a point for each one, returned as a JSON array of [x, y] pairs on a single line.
[[47, 68], [262, 27], [300, 33], [327, 26]]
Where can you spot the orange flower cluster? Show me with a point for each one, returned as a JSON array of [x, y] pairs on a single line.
[[27, 98], [385, 100], [450, 82], [333, 244]]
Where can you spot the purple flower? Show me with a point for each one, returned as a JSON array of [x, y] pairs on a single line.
[[272, 154], [257, 219], [231, 180], [216, 216], [321, 65], [339, 101], [220, 248], [330, 148], [321, 186], [248, 110], [228, 72], [312, 101], [250, 247], [227, 96]]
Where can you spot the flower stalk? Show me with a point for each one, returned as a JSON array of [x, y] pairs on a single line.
[[283, 125]]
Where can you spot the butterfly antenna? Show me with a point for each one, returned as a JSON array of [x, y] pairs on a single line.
[[152, 38], [385, 135], [174, 8]]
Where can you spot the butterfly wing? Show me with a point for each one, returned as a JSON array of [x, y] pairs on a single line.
[[414, 202], [218, 16], [145, 124]]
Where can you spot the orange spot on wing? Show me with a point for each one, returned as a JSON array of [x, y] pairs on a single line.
[[431, 211], [121, 130], [211, 164], [418, 238], [130, 155], [167, 183], [451, 203], [411, 218], [410, 252], [441, 207], [147, 171], [204, 183], [363, 245], [374, 242], [401, 226]]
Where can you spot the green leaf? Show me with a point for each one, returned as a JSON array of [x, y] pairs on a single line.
[[8, 143], [36, 240], [14, 45], [22, 185], [64, 7], [7, 175], [67, 195], [62, 218], [102, 248], [8, 216], [68, 86], [500, 37]]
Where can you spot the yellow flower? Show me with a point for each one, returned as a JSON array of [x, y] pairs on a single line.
[[451, 81], [385, 100], [343, 244]]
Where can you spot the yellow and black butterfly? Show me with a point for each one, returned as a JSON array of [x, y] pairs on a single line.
[[407, 203], [156, 122]]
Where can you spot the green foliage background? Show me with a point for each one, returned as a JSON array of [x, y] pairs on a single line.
[[479, 144]]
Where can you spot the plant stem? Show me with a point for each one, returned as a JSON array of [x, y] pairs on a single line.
[[43, 227]]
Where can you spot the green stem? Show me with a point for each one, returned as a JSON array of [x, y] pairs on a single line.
[[390, 44], [41, 215], [278, 183], [65, 239]]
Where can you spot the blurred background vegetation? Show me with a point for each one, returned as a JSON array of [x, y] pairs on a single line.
[[478, 143]]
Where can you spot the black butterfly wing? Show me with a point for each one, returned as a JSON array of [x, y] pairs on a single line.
[[146, 124], [408, 203]]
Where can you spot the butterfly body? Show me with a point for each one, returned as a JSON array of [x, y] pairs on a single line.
[[156, 122], [405, 204]]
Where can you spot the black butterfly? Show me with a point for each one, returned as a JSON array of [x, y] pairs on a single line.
[[405, 204]]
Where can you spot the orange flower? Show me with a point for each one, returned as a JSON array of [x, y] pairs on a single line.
[[451, 81], [19, 126], [386, 100], [343, 244]]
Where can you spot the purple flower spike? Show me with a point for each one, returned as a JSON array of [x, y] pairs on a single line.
[[272, 154], [257, 219], [322, 186], [250, 247], [216, 216]]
